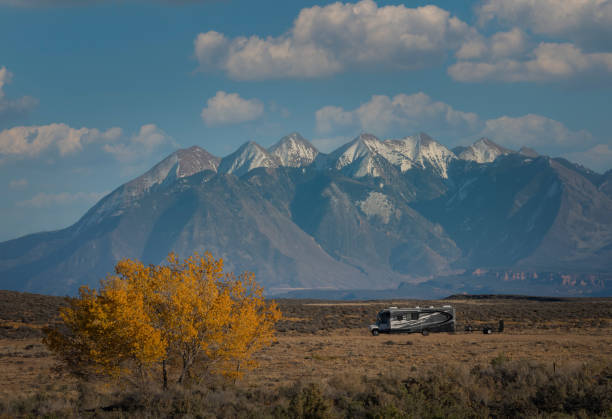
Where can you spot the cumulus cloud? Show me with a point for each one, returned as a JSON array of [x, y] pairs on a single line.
[[500, 45], [383, 114], [534, 131], [329, 39], [598, 157], [229, 108], [405, 114], [10, 109], [585, 22], [45, 200], [547, 62], [149, 138], [330, 118], [31, 141], [34, 141]]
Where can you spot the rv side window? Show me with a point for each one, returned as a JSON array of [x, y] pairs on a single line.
[[399, 318], [414, 316]]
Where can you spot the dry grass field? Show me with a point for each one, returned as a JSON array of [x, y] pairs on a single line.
[[328, 344], [317, 340]]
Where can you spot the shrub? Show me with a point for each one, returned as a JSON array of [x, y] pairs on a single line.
[[310, 403]]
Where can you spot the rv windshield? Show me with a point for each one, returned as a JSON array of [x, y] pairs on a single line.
[[383, 317]]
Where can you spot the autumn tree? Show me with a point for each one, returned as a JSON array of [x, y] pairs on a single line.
[[181, 319]]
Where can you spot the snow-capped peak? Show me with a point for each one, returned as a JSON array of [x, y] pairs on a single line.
[[361, 146], [420, 150], [484, 151], [358, 157], [193, 160], [294, 151], [182, 163], [248, 157]]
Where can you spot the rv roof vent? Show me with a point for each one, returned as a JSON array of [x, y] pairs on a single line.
[[417, 307], [430, 306], [446, 306], [393, 307]]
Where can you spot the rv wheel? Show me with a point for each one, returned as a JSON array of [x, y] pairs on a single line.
[[375, 332], [425, 332]]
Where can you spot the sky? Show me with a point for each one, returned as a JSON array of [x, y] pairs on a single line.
[[95, 92]]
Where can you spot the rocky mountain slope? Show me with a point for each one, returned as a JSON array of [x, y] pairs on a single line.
[[370, 215], [483, 151]]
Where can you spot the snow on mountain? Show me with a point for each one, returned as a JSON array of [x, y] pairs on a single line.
[[182, 163], [362, 155], [484, 151], [378, 204], [248, 157], [294, 151], [420, 150], [359, 157]]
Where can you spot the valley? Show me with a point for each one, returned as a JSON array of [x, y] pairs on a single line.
[[327, 343]]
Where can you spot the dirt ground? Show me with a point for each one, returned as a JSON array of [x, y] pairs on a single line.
[[311, 346]]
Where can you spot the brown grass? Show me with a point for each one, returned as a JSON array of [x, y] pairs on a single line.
[[328, 344]]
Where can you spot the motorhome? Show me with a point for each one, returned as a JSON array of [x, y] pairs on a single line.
[[414, 320]]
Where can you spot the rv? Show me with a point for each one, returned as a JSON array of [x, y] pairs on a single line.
[[414, 320]]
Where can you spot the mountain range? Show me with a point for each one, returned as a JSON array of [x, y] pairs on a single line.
[[403, 214]]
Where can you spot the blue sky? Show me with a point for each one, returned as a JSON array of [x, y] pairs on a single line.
[[93, 93]]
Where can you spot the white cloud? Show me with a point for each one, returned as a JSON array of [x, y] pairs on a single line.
[[5, 78], [10, 109], [31, 141], [18, 183], [500, 45], [598, 158], [404, 114], [210, 49], [508, 57], [34, 141], [534, 131], [149, 138], [45, 200], [383, 114], [330, 118], [230, 108], [547, 62], [329, 39], [586, 22]]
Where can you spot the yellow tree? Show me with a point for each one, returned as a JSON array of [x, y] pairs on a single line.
[[250, 327], [107, 332], [146, 319]]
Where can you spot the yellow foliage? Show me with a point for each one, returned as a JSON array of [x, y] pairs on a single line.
[[145, 319]]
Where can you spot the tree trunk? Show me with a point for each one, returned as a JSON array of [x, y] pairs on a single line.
[[165, 375], [186, 365], [237, 372]]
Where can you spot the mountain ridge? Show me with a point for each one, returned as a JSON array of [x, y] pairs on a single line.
[[371, 214]]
